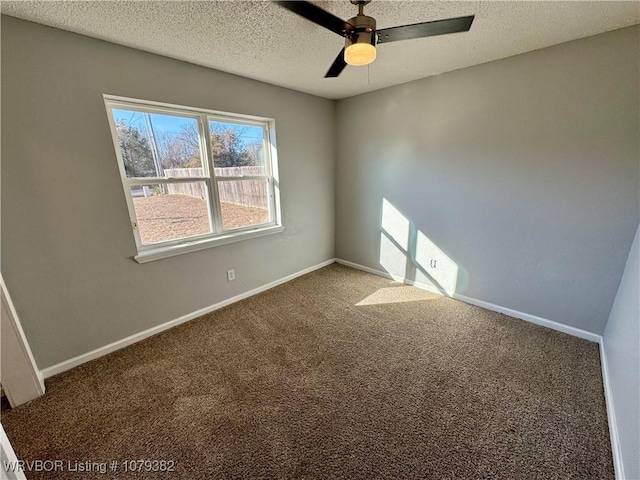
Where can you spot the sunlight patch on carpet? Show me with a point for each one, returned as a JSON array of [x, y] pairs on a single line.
[[398, 295]]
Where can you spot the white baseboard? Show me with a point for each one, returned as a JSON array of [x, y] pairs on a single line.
[[576, 332], [117, 345], [611, 416], [615, 445], [544, 322], [22, 380]]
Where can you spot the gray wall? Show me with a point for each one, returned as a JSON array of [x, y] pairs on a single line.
[[523, 171], [622, 346], [67, 245]]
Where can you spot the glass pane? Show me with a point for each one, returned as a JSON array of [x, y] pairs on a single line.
[[237, 149], [158, 145], [243, 203], [171, 211]]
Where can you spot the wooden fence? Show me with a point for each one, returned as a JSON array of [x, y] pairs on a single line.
[[249, 193]]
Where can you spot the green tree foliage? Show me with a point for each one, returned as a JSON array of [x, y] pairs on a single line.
[[136, 152], [228, 150]]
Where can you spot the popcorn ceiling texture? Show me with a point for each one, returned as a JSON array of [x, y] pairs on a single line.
[[260, 40], [337, 374]]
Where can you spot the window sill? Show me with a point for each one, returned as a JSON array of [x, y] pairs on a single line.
[[172, 250]]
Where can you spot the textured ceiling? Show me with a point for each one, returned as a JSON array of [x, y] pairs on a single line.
[[260, 40]]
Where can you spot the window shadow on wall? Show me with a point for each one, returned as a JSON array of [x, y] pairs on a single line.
[[407, 253]]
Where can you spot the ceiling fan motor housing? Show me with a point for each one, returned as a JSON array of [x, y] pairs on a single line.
[[361, 34], [364, 31]]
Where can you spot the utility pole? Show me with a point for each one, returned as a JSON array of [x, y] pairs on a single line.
[[154, 147]]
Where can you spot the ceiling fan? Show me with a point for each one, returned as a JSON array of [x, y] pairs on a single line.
[[361, 36]]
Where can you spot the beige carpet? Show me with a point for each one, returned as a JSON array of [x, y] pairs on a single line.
[[338, 374]]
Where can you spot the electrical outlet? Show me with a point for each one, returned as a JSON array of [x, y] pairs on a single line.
[[432, 264], [231, 275]]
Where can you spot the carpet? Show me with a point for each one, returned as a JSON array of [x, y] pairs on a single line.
[[337, 374]]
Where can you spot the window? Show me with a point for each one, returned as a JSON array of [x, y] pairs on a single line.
[[194, 178]]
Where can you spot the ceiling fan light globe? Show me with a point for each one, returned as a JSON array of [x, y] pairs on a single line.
[[359, 54]]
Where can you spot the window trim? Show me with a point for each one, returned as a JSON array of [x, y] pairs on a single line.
[[166, 251], [219, 236]]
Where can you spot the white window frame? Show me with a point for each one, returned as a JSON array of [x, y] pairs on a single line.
[[219, 236]]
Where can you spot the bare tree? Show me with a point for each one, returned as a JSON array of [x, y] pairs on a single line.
[[181, 150], [228, 149]]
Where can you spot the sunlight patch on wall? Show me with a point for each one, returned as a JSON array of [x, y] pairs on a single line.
[[398, 294], [408, 253], [436, 265], [395, 224], [392, 258]]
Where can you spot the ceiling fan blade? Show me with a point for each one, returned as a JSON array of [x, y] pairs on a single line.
[[426, 29], [318, 16], [337, 66]]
